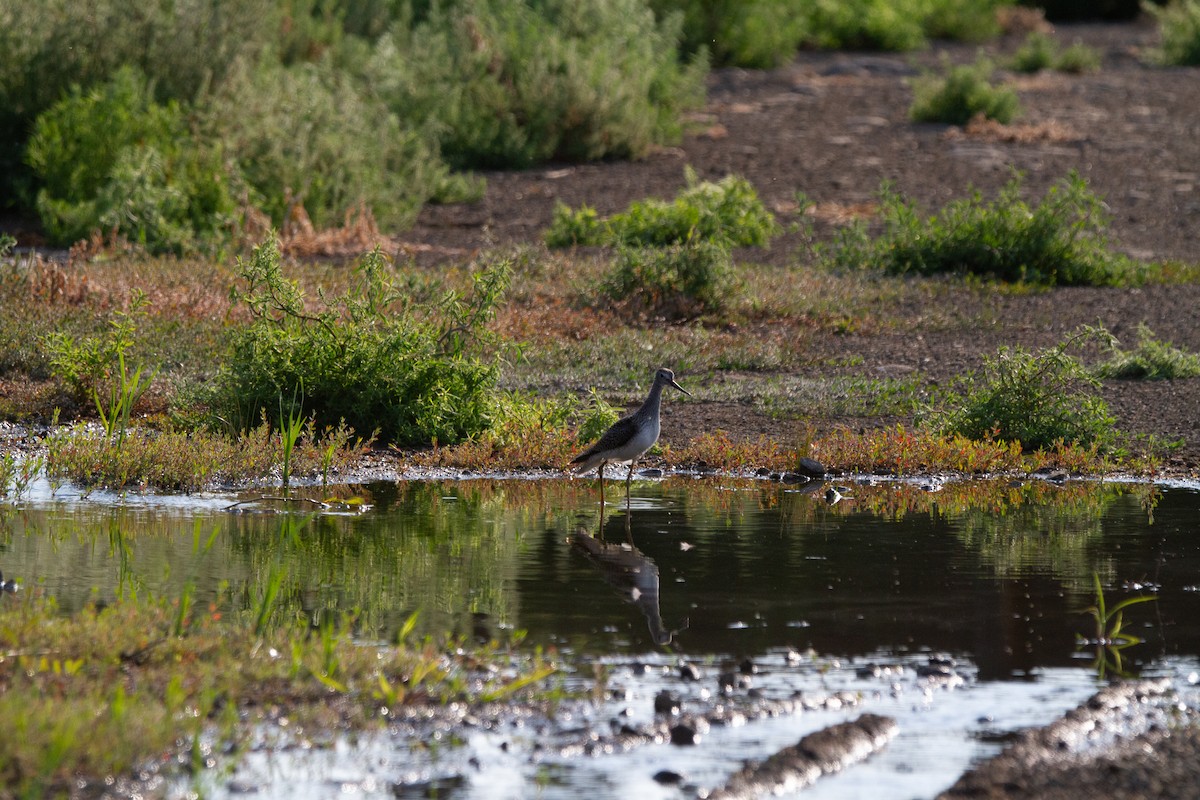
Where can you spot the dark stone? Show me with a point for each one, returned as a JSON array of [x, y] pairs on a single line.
[[748, 667], [668, 777], [667, 702], [794, 477], [810, 467], [689, 672], [684, 734]]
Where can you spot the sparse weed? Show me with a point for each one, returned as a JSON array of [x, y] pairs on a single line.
[[726, 213], [676, 281], [1043, 400], [17, 473], [961, 93], [1109, 637], [1059, 241], [1151, 359]]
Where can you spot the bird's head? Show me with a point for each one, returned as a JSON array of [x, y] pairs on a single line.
[[667, 378]]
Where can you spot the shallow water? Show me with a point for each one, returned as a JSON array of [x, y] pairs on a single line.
[[997, 577]]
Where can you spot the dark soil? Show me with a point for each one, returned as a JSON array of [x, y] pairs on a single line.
[[835, 125]]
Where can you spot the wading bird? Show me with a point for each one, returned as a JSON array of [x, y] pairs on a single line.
[[629, 436]]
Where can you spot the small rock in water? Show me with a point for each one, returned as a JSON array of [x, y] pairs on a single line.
[[668, 777], [748, 667], [689, 672], [729, 681], [667, 702], [794, 477], [651, 472], [810, 467], [689, 732]]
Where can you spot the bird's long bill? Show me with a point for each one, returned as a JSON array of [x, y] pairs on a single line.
[[680, 388]]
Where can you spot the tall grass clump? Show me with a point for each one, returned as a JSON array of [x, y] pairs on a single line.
[[1179, 26], [504, 83], [1060, 240], [113, 159], [727, 212], [1151, 359], [1041, 399], [960, 93], [364, 357]]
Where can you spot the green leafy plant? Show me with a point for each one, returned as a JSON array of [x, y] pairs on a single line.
[[727, 212], [1151, 359], [1179, 26], [291, 428], [93, 369], [124, 392], [677, 281], [414, 373], [1059, 241], [961, 93], [1039, 51], [17, 473], [1042, 399], [1109, 637]]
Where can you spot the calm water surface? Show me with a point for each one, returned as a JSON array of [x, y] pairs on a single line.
[[998, 577]]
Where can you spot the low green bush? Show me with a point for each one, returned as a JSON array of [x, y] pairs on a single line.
[[113, 159], [726, 213], [759, 34], [1151, 359], [1040, 399], [309, 135], [1060, 240], [1179, 26], [1039, 51], [961, 93], [677, 281], [509, 84], [365, 357], [896, 25]]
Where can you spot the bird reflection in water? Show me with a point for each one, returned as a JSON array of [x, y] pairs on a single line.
[[631, 572]]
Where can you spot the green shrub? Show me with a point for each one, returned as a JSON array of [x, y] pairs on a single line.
[[727, 213], [364, 357], [1039, 51], [54, 45], [1179, 26], [1038, 399], [112, 159], [1150, 360], [862, 25], [1059, 241], [960, 94], [677, 281], [507, 83], [747, 33], [308, 135]]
